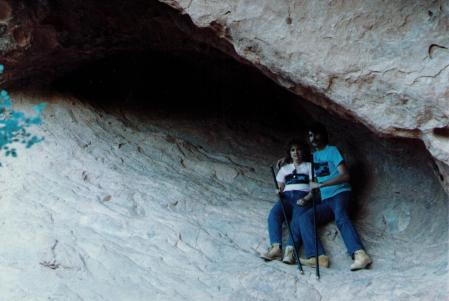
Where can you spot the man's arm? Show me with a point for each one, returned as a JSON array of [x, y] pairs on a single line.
[[343, 177], [281, 162]]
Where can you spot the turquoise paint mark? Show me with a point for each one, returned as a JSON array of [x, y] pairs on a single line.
[[14, 125]]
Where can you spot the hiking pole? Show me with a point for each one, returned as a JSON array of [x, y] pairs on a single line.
[[286, 221], [317, 268]]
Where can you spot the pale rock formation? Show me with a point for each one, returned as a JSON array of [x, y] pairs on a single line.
[[382, 63], [116, 205], [121, 206]]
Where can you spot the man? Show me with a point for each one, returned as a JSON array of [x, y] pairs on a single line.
[[333, 181]]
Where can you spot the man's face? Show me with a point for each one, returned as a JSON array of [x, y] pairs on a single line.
[[315, 139]]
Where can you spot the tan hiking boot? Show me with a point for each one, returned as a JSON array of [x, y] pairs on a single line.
[[323, 261], [274, 253], [289, 257], [361, 260]]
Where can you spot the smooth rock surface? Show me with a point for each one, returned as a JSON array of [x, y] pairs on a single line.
[[121, 205]]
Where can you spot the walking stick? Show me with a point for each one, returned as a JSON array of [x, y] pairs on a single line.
[[317, 268], [286, 221]]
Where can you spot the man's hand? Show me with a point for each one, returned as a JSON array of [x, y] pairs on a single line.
[[281, 162], [314, 185]]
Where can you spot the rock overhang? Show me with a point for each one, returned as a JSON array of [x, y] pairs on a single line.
[[380, 64], [383, 64]]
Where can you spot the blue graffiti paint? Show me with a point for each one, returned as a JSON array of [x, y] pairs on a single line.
[[14, 125]]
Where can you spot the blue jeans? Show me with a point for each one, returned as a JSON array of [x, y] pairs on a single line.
[[329, 209], [293, 212]]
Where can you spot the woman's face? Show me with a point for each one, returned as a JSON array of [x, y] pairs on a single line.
[[295, 152]]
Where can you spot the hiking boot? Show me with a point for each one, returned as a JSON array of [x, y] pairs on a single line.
[[289, 257], [274, 253], [361, 260], [323, 261]]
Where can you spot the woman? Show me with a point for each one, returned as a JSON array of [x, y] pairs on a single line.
[[293, 180]]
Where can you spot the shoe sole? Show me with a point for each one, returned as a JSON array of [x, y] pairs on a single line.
[[288, 262], [270, 259], [367, 266], [314, 265]]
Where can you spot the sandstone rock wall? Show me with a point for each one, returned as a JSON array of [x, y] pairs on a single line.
[[131, 206], [383, 63]]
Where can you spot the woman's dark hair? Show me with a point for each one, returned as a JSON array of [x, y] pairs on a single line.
[[318, 128], [301, 145]]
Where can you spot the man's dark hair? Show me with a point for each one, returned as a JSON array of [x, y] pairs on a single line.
[[319, 128], [301, 145]]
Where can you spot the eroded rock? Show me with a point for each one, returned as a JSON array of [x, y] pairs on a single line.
[[382, 64], [166, 215]]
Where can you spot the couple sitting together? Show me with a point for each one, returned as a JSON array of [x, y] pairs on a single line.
[[295, 181]]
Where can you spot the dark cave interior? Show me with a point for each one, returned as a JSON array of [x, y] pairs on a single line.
[[186, 83]]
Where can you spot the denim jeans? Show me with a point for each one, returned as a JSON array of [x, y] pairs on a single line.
[[293, 212], [329, 209]]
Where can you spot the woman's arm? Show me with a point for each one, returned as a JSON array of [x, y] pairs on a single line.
[[281, 187]]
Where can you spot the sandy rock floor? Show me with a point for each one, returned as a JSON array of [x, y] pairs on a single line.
[[113, 206]]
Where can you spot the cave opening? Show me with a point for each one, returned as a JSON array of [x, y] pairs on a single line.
[[212, 85], [188, 84]]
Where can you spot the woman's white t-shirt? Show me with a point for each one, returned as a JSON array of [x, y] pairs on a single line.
[[295, 178]]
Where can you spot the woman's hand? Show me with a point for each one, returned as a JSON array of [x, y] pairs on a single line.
[[281, 188], [301, 202]]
